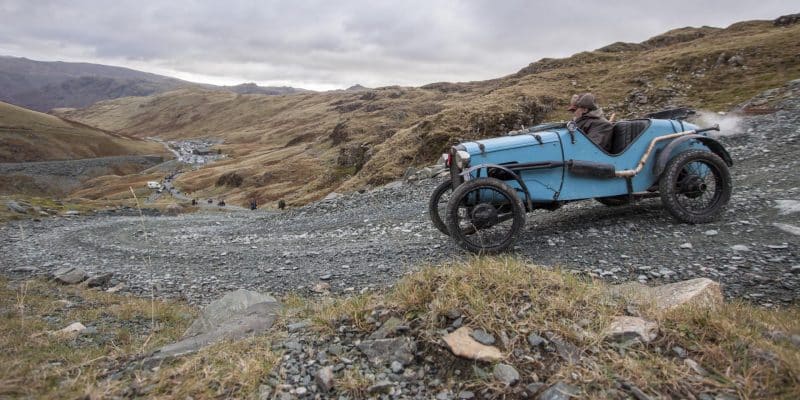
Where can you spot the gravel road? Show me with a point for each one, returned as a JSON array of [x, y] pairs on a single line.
[[369, 240]]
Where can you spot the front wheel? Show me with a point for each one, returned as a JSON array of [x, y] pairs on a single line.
[[485, 215], [437, 205], [696, 186]]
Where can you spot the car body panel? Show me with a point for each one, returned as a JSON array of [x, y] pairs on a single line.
[[558, 183]]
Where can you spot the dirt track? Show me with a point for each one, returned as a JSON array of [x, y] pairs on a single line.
[[371, 239]]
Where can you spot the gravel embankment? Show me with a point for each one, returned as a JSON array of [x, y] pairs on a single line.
[[371, 239]]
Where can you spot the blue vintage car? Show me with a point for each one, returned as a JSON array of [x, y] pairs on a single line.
[[494, 182]]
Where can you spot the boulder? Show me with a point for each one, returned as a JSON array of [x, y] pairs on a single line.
[[236, 315], [384, 351], [628, 329], [230, 305], [463, 345], [70, 275], [701, 292]]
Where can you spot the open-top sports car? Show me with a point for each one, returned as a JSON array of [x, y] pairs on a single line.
[[494, 182]]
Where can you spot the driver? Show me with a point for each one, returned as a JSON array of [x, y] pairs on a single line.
[[590, 121]]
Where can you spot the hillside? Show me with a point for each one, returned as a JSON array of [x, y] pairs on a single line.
[[301, 146], [27, 135], [42, 86]]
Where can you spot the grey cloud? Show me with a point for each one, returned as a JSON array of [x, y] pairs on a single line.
[[314, 43]]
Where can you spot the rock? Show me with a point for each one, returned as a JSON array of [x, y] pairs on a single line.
[[686, 245], [298, 326], [740, 247], [736, 61], [236, 315], [506, 374], [332, 196], [680, 352], [695, 366], [559, 391], [535, 340], [396, 367], [701, 292], [72, 330], [626, 329], [116, 288], [325, 277], [482, 337], [394, 185], [785, 20], [99, 280], [16, 207], [382, 351], [787, 206], [324, 379], [387, 329], [566, 350], [791, 229], [463, 345], [533, 388], [711, 232], [380, 387], [466, 395], [321, 287], [70, 275], [72, 213]]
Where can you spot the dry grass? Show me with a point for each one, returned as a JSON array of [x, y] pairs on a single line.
[[735, 344], [508, 297], [37, 364]]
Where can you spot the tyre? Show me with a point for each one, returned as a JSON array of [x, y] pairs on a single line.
[[613, 201], [696, 186], [437, 205], [485, 215]]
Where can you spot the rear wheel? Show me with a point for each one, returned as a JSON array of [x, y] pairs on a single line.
[[437, 205], [485, 215], [696, 186]]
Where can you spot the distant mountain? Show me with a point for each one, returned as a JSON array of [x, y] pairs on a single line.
[[252, 88], [42, 86]]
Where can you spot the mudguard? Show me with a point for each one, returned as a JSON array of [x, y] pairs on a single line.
[[467, 173], [713, 144]]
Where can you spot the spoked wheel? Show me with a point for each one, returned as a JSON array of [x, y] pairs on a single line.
[[437, 205], [485, 215], [696, 186]]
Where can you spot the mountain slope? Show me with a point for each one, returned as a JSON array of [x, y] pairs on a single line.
[[302, 146], [42, 86], [27, 135]]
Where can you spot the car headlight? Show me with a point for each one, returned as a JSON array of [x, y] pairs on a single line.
[[462, 159]]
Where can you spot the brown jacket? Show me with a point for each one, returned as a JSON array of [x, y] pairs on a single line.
[[597, 129]]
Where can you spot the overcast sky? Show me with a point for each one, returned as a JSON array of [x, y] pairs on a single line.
[[334, 44]]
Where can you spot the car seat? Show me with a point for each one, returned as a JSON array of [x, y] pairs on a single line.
[[625, 132]]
